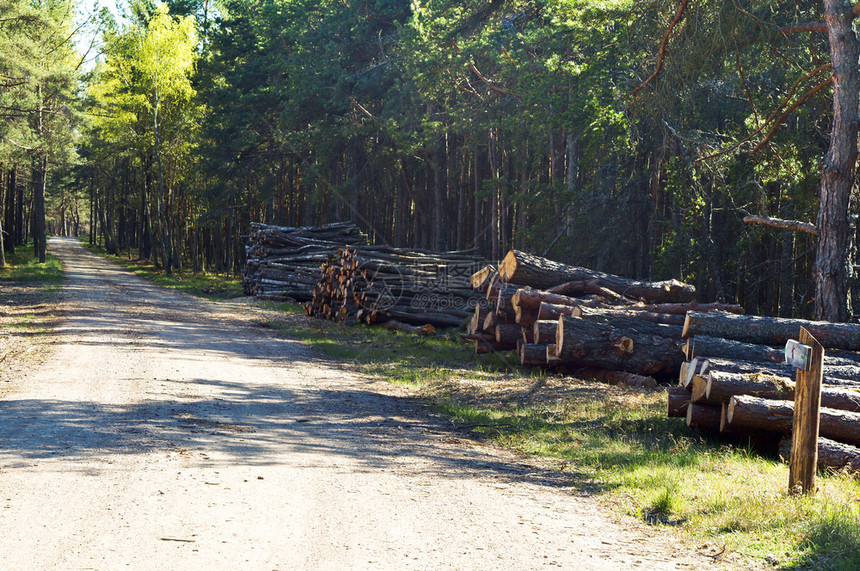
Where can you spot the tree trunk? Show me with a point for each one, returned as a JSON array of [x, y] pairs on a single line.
[[2, 216], [721, 387], [831, 454], [771, 330], [533, 354], [40, 174], [777, 415], [678, 399], [529, 270], [622, 315], [832, 264], [703, 416], [707, 346], [599, 345]]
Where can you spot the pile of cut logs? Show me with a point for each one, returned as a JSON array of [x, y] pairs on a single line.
[[734, 381], [381, 284], [284, 261], [604, 326]]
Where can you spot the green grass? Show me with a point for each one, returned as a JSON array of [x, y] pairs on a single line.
[[611, 441], [24, 267], [211, 286]]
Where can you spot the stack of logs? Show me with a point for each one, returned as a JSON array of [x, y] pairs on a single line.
[[604, 326], [284, 261], [734, 382], [379, 284]]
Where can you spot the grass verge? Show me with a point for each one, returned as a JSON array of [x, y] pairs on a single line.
[[612, 441], [29, 292], [24, 267], [212, 286]]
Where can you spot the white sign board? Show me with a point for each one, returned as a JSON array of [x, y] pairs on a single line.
[[798, 355]]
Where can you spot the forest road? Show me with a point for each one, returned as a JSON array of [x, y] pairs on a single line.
[[167, 432]]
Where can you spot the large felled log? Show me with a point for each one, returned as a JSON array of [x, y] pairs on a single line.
[[831, 454], [507, 334], [594, 344], [834, 375], [707, 346], [721, 387], [683, 308], [528, 297], [771, 330], [533, 354], [621, 317], [589, 287], [677, 401], [544, 331], [703, 416], [776, 416], [552, 311], [527, 269]]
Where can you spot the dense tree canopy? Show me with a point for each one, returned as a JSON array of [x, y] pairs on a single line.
[[624, 136]]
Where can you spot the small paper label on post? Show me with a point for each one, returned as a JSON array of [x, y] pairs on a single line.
[[798, 355]]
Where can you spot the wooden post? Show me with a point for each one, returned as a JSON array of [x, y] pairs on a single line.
[[803, 461]]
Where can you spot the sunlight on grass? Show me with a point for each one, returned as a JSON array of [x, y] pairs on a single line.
[[23, 266]]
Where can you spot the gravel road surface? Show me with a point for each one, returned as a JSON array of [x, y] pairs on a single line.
[[166, 432]]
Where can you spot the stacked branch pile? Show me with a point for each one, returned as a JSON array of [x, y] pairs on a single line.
[[285, 261], [381, 284], [605, 326], [734, 381]]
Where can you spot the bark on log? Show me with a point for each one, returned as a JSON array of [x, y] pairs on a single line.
[[619, 316], [834, 375], [707, 346], [704, 416], [771, 330], [589, 287], [525, 316], [544, 331], [527, 269], [528, 297], [533, 354], [507, 334], [599, 345], [683, 308], [552, 311], [723, 386], [776, 416], [832, 455], [677, 401]]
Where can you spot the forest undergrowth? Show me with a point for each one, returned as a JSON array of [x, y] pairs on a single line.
[[612, 442]]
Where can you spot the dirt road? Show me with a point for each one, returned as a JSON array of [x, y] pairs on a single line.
[[165, 432]]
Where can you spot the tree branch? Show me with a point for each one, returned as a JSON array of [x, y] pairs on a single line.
[[489, 83], [788, 111], [773, 116], [794, 225], [663, 44]]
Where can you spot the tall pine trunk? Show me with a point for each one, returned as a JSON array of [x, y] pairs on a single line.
[[832, 264]]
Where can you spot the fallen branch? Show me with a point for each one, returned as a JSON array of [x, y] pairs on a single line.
[[793, 225]]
